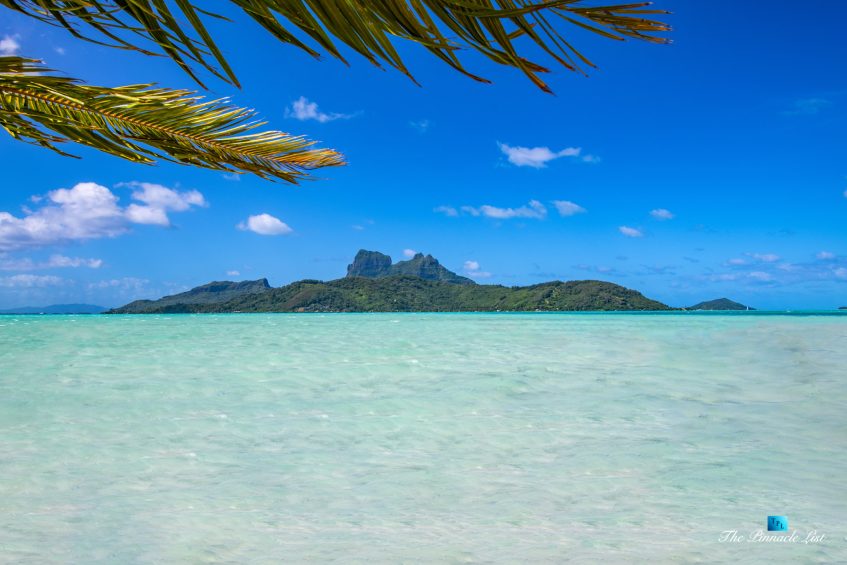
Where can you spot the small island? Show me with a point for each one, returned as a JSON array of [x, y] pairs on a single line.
[[719, 304]]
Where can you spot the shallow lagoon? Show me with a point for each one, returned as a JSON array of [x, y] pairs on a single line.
[[420, 437]]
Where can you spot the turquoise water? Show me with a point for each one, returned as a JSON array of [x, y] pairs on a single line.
[[420, 438]]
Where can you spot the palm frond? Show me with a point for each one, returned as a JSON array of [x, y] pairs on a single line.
[[142, 123], [492, 27]]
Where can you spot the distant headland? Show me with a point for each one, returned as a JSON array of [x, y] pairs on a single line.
[[57, 309]]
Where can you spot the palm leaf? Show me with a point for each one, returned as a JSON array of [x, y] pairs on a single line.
[[142, 123], [494, 28]]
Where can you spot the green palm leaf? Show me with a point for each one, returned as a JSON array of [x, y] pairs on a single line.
[[142, 123], [492, 27]]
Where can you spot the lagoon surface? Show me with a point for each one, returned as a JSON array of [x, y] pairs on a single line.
[[421, 438]]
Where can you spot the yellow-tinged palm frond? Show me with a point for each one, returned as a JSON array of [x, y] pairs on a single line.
[[492, 27], [141, 123]]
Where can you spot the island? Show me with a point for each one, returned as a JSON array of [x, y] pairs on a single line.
[[719, 304], [375, 284]]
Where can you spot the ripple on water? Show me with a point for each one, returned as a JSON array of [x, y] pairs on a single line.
[[419, 438]]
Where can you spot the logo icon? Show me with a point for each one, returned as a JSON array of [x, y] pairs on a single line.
[[777, 523]]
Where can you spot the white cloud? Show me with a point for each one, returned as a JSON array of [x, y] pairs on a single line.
[[159, 196], [737, 262], [55, 262], [593, 159], [568, 208], [760, 276], [31, 281], [124, 284], [630, 232], [147, 215], [9, 46], [89, 211], [86, 211], [409, 252], [157, 201], [60, 50], [233, 273], [534, 209], [662, 214], [422, 126], [472, 270], [303, 109], [446, 210], [265, 224], [765, 257], [25, 264], [538, 157], [825, 255], [785, 273]]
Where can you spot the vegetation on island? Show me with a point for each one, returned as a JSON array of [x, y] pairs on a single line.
[[211, 293], [145, 123], [719, 304], [374, 285], [404, 293]]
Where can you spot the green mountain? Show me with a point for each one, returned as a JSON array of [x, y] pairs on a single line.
[[369, 264], [373, 264], [56, 309], [719, 304], [374, 284], [216, 292], [402, 293]]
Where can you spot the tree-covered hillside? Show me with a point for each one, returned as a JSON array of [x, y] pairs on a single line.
[[401, 293]]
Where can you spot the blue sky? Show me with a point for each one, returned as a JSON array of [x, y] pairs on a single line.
[[715, 166]]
